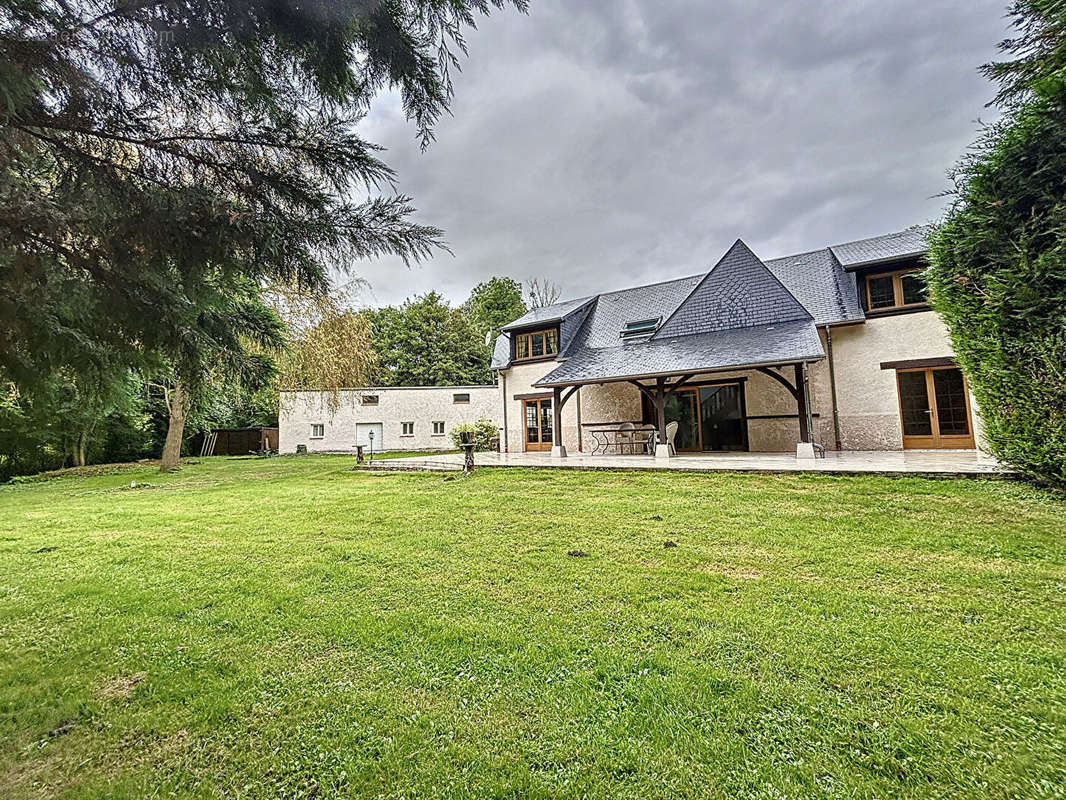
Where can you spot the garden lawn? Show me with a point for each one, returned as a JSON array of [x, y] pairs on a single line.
[[284, 628]]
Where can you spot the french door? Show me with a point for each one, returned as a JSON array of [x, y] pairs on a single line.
[[710, 418], [934, 408], [538, 421]]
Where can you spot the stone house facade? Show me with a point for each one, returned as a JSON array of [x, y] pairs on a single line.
[[835, 348]]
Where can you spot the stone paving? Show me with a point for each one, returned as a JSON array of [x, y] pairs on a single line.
[[908, 462]]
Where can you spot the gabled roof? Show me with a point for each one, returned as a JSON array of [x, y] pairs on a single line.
[[738, 292], [864, 252], [786, 342]]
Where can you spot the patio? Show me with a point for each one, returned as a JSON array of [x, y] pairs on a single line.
[[929, 463]]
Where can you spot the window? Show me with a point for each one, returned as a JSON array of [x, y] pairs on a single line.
[[318, 431], [370, 399], [461, 397], [895, 290], [407, 429], [640, 327], [438, 428], [536, 345]]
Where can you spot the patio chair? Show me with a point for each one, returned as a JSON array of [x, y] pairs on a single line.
[[671, 432], [645, 436], [625, 437]]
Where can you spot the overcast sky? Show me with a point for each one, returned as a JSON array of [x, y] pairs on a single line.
[[609, 143]]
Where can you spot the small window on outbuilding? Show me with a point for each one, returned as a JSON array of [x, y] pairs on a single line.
[[438, 428], [407, 429], [640, 327], [318, 430], [461, 397], [370, 400]]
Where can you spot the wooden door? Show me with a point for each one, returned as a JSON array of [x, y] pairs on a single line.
[[537, 416], [934, 408]]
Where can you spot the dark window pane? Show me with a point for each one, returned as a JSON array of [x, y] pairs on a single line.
[[545, 420], [914, 404], [950, 403], [522, 347], [914, 290], [536, 344], [532, 429], [882, 295], [552, 341]]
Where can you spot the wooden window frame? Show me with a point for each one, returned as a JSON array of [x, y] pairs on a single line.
[[404, 426], [528, 338], [897, 291]]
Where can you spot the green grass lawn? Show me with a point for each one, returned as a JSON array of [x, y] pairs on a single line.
[[283, 628]]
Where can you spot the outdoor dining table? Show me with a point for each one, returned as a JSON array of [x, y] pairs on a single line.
[[625, 441]]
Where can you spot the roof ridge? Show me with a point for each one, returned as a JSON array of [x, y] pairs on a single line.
[[923, 225]]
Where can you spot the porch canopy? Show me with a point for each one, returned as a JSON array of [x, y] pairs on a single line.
[[673, 361]]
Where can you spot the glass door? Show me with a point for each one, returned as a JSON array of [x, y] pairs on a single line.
[[538, 422], [722, 421], [934, 408], [682, 407]]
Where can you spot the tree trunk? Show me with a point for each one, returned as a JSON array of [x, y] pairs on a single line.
[[178, 405], [77, 450]]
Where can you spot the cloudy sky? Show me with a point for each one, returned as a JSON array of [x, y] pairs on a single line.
[[608, 143]]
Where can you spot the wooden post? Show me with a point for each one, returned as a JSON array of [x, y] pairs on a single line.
[[558, 451], [468, 458], [804, 406], [660, 417]]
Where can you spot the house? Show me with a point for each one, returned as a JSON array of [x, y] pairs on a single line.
[[381, 418], [836, 348]]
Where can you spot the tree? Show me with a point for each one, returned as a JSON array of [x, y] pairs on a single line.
[[155, 154], [424, 342], [493, 304], [541, 292], [998, 262], [329, 346]]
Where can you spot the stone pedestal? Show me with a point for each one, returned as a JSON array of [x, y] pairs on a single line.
[[663, 451], [558, 451], [805, 450]]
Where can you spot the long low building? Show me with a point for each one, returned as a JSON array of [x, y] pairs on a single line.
[[384, 418]]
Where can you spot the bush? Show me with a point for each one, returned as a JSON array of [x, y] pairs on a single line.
[[486, 435], [998, 278]]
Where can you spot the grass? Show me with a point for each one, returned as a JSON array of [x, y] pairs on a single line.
[[284, 628]]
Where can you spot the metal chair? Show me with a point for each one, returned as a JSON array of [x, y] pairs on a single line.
[[671, 432], [625, 436], [645, 436]]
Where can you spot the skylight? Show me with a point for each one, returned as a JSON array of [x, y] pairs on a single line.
[[640, 327]]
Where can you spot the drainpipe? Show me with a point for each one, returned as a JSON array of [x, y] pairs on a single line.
[[503, 387], [839, 445]]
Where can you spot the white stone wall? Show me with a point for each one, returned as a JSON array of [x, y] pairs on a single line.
[[422, 405], [866, 394]]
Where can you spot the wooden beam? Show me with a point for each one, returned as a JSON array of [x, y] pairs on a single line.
[[659, 400], [673, 387], [648, 391], [793, 390], [557, 416]]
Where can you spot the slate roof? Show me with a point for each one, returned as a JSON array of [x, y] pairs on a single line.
[[911, 242], [760, 312], [553, 313], [770, 344], [818, 281], [738, 292]]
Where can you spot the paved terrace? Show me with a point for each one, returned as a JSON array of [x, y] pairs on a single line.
[[939, 463]]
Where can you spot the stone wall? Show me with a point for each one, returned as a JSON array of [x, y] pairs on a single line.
[[396, 405]]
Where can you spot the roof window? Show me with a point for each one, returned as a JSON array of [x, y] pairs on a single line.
[[640, 327]]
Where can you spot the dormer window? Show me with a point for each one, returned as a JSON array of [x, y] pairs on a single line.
[[640, 327], [891, 290], [537, 344]]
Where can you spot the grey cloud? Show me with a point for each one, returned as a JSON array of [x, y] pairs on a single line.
[[603, 144]]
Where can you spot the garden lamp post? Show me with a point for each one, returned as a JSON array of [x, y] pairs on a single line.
[[371, 435]]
